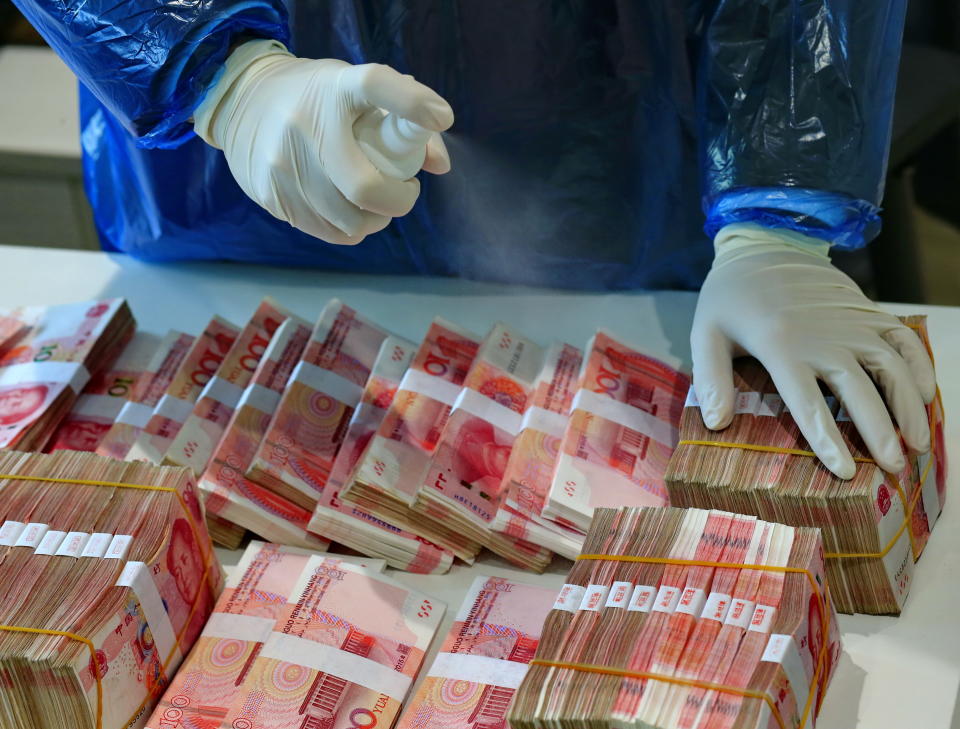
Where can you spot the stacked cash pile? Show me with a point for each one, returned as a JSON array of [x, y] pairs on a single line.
[[685, 618], [302, 640], [874, 526], [483, 658], [108, 576]]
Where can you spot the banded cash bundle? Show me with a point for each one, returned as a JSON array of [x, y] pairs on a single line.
[[685, 618], [388, 476], [107, 576], [462, 488], [311, 642], [483, 658], [874, 526], [228, 493], [622, 430], [529, 470], [48, 360], [347, 523]]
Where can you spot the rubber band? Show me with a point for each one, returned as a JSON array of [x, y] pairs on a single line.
[[95, 668], [908, 504], [821, 604]]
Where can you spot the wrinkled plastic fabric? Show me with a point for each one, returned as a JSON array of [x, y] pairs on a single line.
[[797, 101], [575, 150]]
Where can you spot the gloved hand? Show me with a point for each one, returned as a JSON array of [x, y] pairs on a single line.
[[775, 295], [285, 125]]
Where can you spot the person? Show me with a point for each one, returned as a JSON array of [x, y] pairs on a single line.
[[586, 131]]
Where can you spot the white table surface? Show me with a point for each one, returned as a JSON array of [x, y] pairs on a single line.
[[896, 673]]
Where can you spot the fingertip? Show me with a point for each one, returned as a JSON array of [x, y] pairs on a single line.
[[437, 160]]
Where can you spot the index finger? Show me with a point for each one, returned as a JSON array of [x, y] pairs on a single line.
[[382, 86]]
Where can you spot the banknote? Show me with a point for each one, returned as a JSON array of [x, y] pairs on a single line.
[[483, 658], [136, 412], [298, 450], [201, 363], [622, 431], [201, 431]]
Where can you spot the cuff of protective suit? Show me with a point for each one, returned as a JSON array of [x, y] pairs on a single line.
[[239, 61], [746, 239]]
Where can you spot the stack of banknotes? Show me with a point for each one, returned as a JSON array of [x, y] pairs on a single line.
[[729, 619], [874, 526], [302, 640], [47, 358], [483, 658], [108, 576]]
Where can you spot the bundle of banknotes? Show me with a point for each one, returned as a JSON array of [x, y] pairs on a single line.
[[302, 640], [729, 623], [47, 357], [874, 526], [483, 658], [108, 576]]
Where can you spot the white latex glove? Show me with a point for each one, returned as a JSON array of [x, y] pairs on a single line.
[[285, 125], [775, 295]]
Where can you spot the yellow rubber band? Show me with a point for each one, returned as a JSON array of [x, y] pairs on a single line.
[[73, 636], [761, 448]]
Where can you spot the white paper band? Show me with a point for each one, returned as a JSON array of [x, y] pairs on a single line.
[[478, 669], [619, 595], [642, 599], [740, 613], [569, 598], [174, 408], [136, 576], [73, 374], [135, 414], [625, 415], [222, 391], [50, 543], [771, 405], [228, 626], [96, 545], [433, 387], [327, 382], [716, 608], [97, 406], [545, 421], [119, 546], [691, 401], [762, 618], [73, 544], [594, 598], [746, 403], [490, 411], [667, 599], [32, 535], [692, 601], [10, 532], [330, 659], [259, 398]]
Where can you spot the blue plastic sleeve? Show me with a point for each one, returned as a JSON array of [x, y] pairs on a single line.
[[151, 63], [795, 108]]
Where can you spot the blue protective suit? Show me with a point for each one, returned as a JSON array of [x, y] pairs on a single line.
[[589, 134]]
